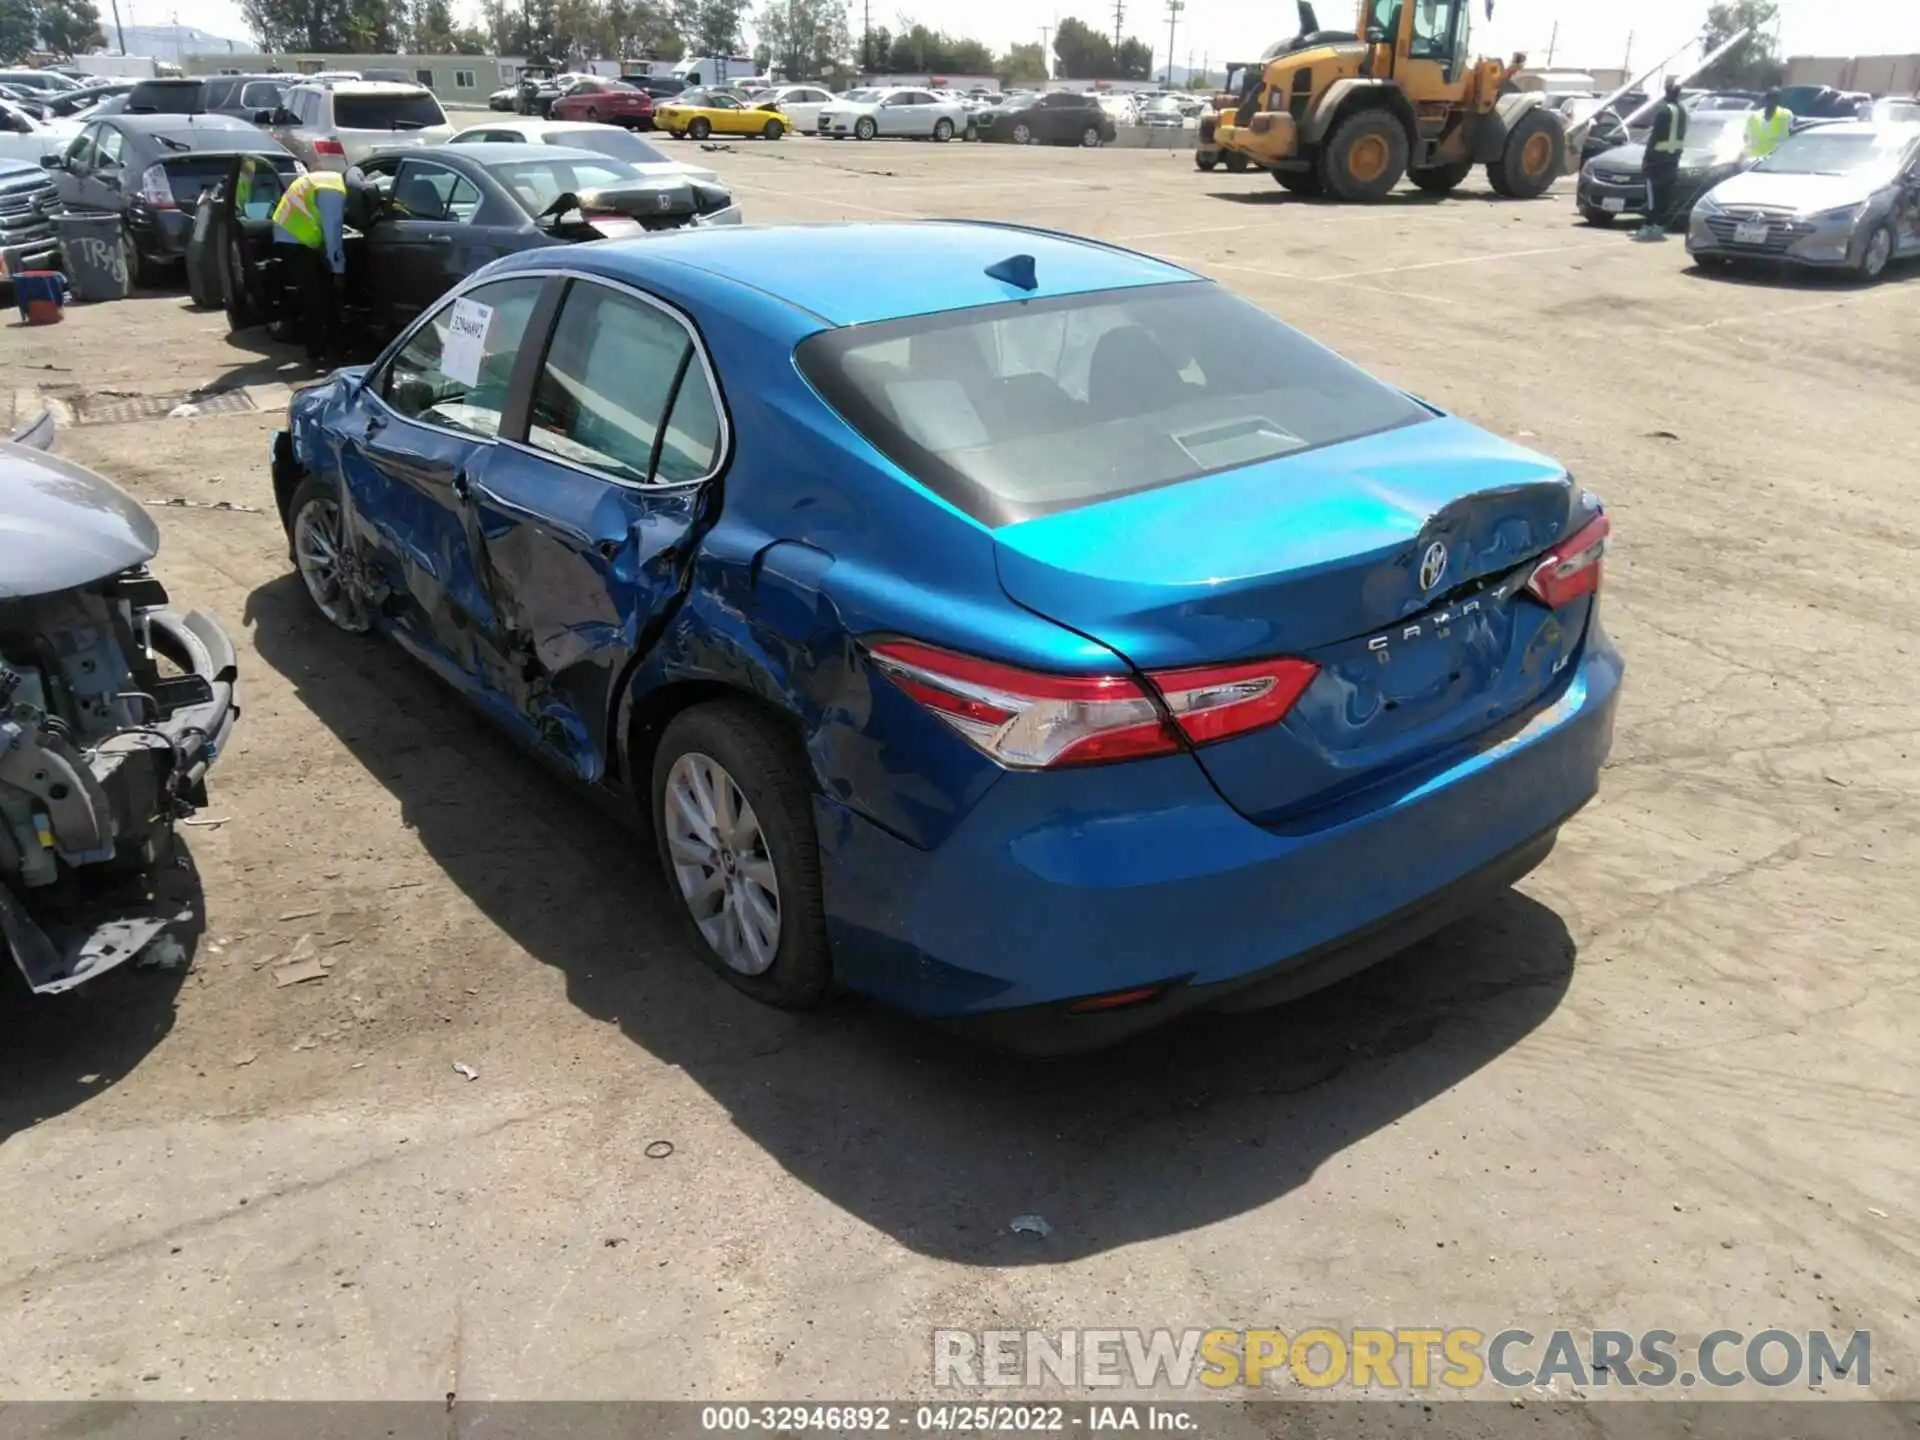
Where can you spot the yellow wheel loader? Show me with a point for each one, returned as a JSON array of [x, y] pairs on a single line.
[[1350, 113]]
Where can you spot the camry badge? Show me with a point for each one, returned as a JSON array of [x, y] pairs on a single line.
[[1433, 565]]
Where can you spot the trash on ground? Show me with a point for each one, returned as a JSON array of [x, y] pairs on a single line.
[[466, 1070], [299, 914], [1031, 1225], [180, 502], [1876, 1213], [214, 824], [246, 1057], [298, 972], [165, 953], [185, 410], [658, 1149]]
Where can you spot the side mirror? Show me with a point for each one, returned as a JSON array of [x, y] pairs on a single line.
[[1376, 35], [53, 162], [263, 117], [284, 117]]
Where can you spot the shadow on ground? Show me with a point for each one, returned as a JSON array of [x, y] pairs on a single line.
[[933, 1141], [1273, 193], [1766, 275], [59, 1051]]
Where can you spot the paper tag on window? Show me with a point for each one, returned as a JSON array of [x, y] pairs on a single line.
[[466, 344]]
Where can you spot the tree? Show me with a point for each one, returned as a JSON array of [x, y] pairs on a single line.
[[70, 27], [431, 28], [969, 57], [19, 29], [874, 47], [1023, 62], [1133, 60], [711, 27], [803, 37], [1083, 52], [1752, 64], [471, 40]]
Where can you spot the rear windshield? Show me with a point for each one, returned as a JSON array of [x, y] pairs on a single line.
[[611, 141], [164, 99], [536, 184], [387, 112], [1017, 410]]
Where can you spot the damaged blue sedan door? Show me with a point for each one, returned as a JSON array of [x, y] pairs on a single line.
[[587, 521], [423, 434]]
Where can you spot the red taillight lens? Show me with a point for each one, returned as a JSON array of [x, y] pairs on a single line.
[[329, 147], [1028, 720], [155, 189], [1572, 568]]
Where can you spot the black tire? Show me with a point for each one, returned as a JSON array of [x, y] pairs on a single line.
[[864, 128], [1023, 134], [1535, 154], [1867, 271], [943, 130], [773, 130], [1365, 156], [1306, 183], [1090, 138], [242, 307], [1441, 179], [766, 768], [1602, 218], [351, 615], [678, 134], [203, 281], [1204, 161], [698, 128], [1235, 160]]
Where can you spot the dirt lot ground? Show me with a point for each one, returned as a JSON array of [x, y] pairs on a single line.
[[1670, 1082]]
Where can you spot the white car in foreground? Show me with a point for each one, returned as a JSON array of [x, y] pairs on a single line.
[[614, 141], [909, 114]]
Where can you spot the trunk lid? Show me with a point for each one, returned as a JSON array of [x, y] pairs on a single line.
[[1322, 556]]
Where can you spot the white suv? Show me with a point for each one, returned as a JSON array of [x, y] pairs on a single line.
[[336, 125]]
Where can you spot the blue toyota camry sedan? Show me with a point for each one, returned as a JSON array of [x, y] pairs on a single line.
[[1025, 632]]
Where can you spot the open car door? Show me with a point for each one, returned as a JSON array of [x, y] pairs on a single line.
[[241, 235]]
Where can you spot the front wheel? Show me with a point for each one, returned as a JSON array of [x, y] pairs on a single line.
[[1365, 156], [1305, 183], [733, 823], [1022, 134], [1535, 154], [698, 128], [943, 130], [1876, 253], [773, 130], [1602, 218], [1202, 160], [1090, 137], [864, 128], [1235, 161], [317, 535]]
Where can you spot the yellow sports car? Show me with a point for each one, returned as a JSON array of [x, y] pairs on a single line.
[[701, 113]]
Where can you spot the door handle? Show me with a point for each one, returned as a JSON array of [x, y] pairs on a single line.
[[462, 487], [439, 239], [375, 424]]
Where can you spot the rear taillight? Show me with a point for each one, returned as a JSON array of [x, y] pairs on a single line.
[[329, 147], [1572, 568], [1028, 720], [155, 189]]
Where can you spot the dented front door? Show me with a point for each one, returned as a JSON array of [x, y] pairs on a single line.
[[589, 524]]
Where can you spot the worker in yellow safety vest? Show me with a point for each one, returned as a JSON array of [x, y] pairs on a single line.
[[1768, 126], [1661, 163], [309, 236]]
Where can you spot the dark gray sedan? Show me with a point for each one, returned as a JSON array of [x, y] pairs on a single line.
[[150, 170], [1612, 183]]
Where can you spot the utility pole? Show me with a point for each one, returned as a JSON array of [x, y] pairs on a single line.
[[1119, 20], [866, 36], [1626, 62], [1553, 39], [118, 33], [1174, 7], [1046, 54]]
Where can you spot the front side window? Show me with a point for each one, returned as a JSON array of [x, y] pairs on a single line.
[[80, 153], [425, 191], [111, 146], [1433, 22], [458, 382], [1380, 21], [261, 95], [1016, 410], [616, 370]]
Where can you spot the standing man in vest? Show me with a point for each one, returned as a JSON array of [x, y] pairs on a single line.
[[309, 236], [1767, 127], [1661, 164]]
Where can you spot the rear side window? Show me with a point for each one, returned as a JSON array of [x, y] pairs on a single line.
[[414, 111], [623, 392], [462, 391], [1011, 411], [164, 99]]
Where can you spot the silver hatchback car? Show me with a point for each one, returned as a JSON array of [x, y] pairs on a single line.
[[333, 125], [1841, 196]]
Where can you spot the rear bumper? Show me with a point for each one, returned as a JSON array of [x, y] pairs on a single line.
[[31, 252], [1094, 891], [162, 234]]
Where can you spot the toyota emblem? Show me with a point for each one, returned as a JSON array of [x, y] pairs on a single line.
[[1433, 565]]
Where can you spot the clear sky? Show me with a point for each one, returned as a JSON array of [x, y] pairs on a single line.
[[1591, 32]]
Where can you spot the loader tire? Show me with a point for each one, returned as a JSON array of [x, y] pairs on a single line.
[[1304, 183], [1440, 179], [1235, 160], [1202, 160], [1365, 156], [1535, 154]]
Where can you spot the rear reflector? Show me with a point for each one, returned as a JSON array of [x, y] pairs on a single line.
[[1030, 720], [1572, 568], [1118, 1000], [329, 147]]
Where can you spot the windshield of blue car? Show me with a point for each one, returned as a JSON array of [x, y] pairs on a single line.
[[1827, 152], [536, 184], [611, 141], [1016, 410]]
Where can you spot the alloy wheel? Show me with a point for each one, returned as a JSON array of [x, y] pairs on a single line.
[[722, 864], [319, 550], [1879, 250]]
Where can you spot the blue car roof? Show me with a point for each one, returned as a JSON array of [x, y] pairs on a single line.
[[861, 273]]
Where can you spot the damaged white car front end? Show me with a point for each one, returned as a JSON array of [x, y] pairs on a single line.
[[112, 708]]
